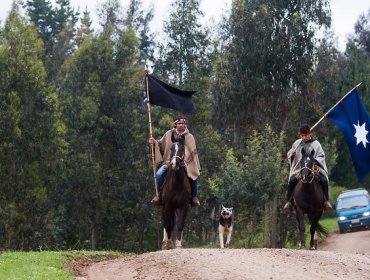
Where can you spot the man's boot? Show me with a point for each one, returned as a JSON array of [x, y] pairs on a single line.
[[325, 189], [195, 202], [292, 182], [156, 201]]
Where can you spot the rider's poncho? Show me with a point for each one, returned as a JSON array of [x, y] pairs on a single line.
[[310, 145], [163, 152]]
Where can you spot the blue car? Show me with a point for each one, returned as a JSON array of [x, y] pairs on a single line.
[[353, 210]]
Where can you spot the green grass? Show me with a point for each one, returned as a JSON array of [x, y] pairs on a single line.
[[330, 223], [48, 264], [33, 265]]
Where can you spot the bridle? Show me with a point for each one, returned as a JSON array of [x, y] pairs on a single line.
[[181, 159], [313, 171]]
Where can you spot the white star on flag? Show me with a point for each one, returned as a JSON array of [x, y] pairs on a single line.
[[361, 133]]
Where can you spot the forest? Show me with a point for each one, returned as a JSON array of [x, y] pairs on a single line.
[[75, 163]]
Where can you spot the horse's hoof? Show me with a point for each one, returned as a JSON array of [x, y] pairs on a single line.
[[302, 247], [167, 245], [178, 244], [313, 248]]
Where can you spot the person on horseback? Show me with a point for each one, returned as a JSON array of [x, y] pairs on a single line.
[[162, 157], [294, 156]]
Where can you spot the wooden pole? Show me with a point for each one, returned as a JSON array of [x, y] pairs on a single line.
[[334, 106], [150, 128]]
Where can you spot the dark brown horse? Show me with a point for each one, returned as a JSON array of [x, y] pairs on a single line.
[[308, 199], [176, 195]]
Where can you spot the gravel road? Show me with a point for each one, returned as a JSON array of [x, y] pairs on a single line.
[[341, 256]]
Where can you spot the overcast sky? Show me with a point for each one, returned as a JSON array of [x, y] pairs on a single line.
[[344, 12]]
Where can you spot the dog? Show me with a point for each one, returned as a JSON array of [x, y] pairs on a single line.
[[225, 226]]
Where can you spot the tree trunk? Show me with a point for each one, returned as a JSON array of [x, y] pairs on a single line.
[[93, 238]]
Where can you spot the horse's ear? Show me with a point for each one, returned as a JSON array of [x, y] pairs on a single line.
[[303, 152], [173, 138], [313, 152]]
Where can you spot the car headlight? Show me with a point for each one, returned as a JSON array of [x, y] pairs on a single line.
[[365, 214], [341, 218]]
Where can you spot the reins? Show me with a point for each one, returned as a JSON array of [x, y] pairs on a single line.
[[182, 163], [314, 171]]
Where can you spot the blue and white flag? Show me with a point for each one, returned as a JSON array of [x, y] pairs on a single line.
[[351, 117]]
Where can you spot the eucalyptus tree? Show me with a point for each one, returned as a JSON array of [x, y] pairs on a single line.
[[268, 54], [85, 29], [31, 139], [57, 28], [41, 13], [107, 135], [140, 20], [187, 42]]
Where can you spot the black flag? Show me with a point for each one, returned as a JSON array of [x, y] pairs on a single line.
[[164, 95]]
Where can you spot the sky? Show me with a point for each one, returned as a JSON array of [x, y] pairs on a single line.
[[344, 12]]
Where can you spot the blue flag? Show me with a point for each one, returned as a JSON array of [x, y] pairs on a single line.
[[164, 95], [351, 117]]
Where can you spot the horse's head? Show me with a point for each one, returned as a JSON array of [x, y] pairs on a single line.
[[177, 151], [307, 166]]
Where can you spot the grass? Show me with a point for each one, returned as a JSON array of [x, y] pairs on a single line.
[[330, 223], [33, 265], [49, 264]]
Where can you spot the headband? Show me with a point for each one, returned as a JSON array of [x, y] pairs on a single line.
[[177, 120], [305, 132]]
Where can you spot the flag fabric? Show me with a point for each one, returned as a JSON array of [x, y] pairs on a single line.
[[351, 117], [164, 95]]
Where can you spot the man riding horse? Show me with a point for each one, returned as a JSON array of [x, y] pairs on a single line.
[[162, 158], [294, 156]]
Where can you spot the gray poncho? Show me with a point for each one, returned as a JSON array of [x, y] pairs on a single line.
[[308, 146]]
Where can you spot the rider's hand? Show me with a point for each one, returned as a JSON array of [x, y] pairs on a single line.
[[151, 140]]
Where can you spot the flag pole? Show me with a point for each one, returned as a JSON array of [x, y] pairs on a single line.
[[150, 127], [334, 106]]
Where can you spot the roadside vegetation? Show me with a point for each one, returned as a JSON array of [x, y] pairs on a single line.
[[49, 264]]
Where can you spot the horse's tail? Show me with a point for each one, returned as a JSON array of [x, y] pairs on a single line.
[[322, 231]]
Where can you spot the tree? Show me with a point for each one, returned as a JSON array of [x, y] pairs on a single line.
[[140, 20], [254, 186], [268, 53], [31, 139], [85, 29], [106, 132], [56, 27], [186, 44]]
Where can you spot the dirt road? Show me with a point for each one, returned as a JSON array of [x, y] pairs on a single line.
[[351, 242], [342, 256]]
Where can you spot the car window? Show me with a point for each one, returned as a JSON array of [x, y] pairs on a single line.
[[352, 202]]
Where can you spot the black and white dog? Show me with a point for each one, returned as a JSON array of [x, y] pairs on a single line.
[[225, 226]]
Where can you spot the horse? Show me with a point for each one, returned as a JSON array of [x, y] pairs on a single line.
[[308, 198], [176, 195]]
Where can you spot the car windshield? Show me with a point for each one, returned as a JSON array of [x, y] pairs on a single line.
[[352, 202]]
